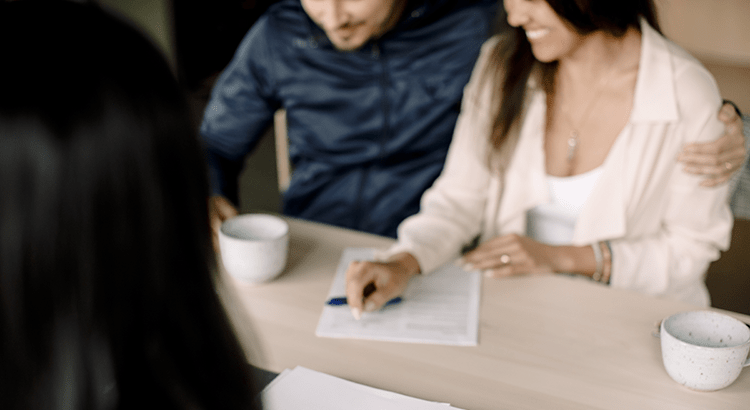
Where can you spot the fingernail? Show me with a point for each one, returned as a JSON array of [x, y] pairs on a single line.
[[459, 262], [356, 313], [488, 273], [369, 306], [468, 267]]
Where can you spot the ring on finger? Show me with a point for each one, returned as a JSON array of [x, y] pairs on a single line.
[[505, 259]]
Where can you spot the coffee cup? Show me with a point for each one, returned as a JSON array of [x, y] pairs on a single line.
[[704, 350], [254, 246]]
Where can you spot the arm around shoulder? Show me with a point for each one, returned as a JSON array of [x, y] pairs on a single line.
[[671, 241]]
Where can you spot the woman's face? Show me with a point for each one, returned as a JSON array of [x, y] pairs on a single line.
[[551, 37], [349, 24]]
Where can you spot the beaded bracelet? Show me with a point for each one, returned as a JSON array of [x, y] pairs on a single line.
[[607, 256], [603, 256], [597, 247]]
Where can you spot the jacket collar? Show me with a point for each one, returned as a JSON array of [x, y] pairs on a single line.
[[654, 98], [525, 183], [604, 215]]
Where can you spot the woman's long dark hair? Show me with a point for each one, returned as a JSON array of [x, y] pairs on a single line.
[[107, 299], [512, 62]]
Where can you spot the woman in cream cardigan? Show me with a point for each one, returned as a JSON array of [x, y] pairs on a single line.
[[567, 161]]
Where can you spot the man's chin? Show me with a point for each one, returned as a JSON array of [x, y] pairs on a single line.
[[344, 45]]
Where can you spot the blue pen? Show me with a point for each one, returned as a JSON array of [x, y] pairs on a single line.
[[342, 301]]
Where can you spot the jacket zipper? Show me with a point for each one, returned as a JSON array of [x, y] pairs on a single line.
[[384, 82]]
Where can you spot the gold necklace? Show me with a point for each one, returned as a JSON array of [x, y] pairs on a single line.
[[574, 133]]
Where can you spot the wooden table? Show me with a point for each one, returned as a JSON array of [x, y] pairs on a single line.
[[545, 342]]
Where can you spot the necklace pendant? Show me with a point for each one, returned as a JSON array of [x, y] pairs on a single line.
[[572, 145]]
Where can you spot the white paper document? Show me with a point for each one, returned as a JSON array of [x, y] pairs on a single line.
[[439, 308], [307, 389]]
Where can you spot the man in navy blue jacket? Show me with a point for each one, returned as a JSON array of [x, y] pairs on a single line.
[[372, 90]]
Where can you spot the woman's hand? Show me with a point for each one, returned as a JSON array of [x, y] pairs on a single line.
[[717, 160], [514, 254], [388, 278]]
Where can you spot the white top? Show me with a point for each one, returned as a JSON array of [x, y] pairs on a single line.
[[663, 227], [553, 223]]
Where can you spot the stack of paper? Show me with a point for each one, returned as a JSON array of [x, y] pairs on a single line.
[[303, 388], [439, 308]]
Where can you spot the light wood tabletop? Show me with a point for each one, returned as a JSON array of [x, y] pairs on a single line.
[[545, 341]]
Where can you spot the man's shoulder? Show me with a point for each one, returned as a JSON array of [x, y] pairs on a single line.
[[447, 23], [462, 4], [485, 8], [436, 10], [491, 5], [283, 23]]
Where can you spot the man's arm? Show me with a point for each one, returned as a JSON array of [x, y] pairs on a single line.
[[718, 160], [740, 202], [241, 108]]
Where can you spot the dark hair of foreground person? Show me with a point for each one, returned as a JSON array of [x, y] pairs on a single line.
[[107, 287]]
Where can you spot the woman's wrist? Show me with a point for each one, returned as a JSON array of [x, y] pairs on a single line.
[[573, 259], [593, 261], [405, 263]]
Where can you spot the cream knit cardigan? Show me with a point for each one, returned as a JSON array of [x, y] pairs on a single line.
[[663, 228]]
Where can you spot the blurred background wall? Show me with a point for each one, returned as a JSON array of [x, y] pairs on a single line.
[[717, 32], [199, 36]]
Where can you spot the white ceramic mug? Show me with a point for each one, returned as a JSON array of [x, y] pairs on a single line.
[[704, 350], [254, 246]]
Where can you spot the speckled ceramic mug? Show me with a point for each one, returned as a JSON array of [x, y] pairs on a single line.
[[704, 350]]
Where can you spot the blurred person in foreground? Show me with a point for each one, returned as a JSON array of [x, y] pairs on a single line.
[[107, 286]]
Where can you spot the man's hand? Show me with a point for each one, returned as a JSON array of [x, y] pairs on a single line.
[[219, 210], [388, 278], [717, 160]]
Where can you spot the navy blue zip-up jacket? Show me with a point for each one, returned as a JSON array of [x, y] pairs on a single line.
[[368, 130]]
